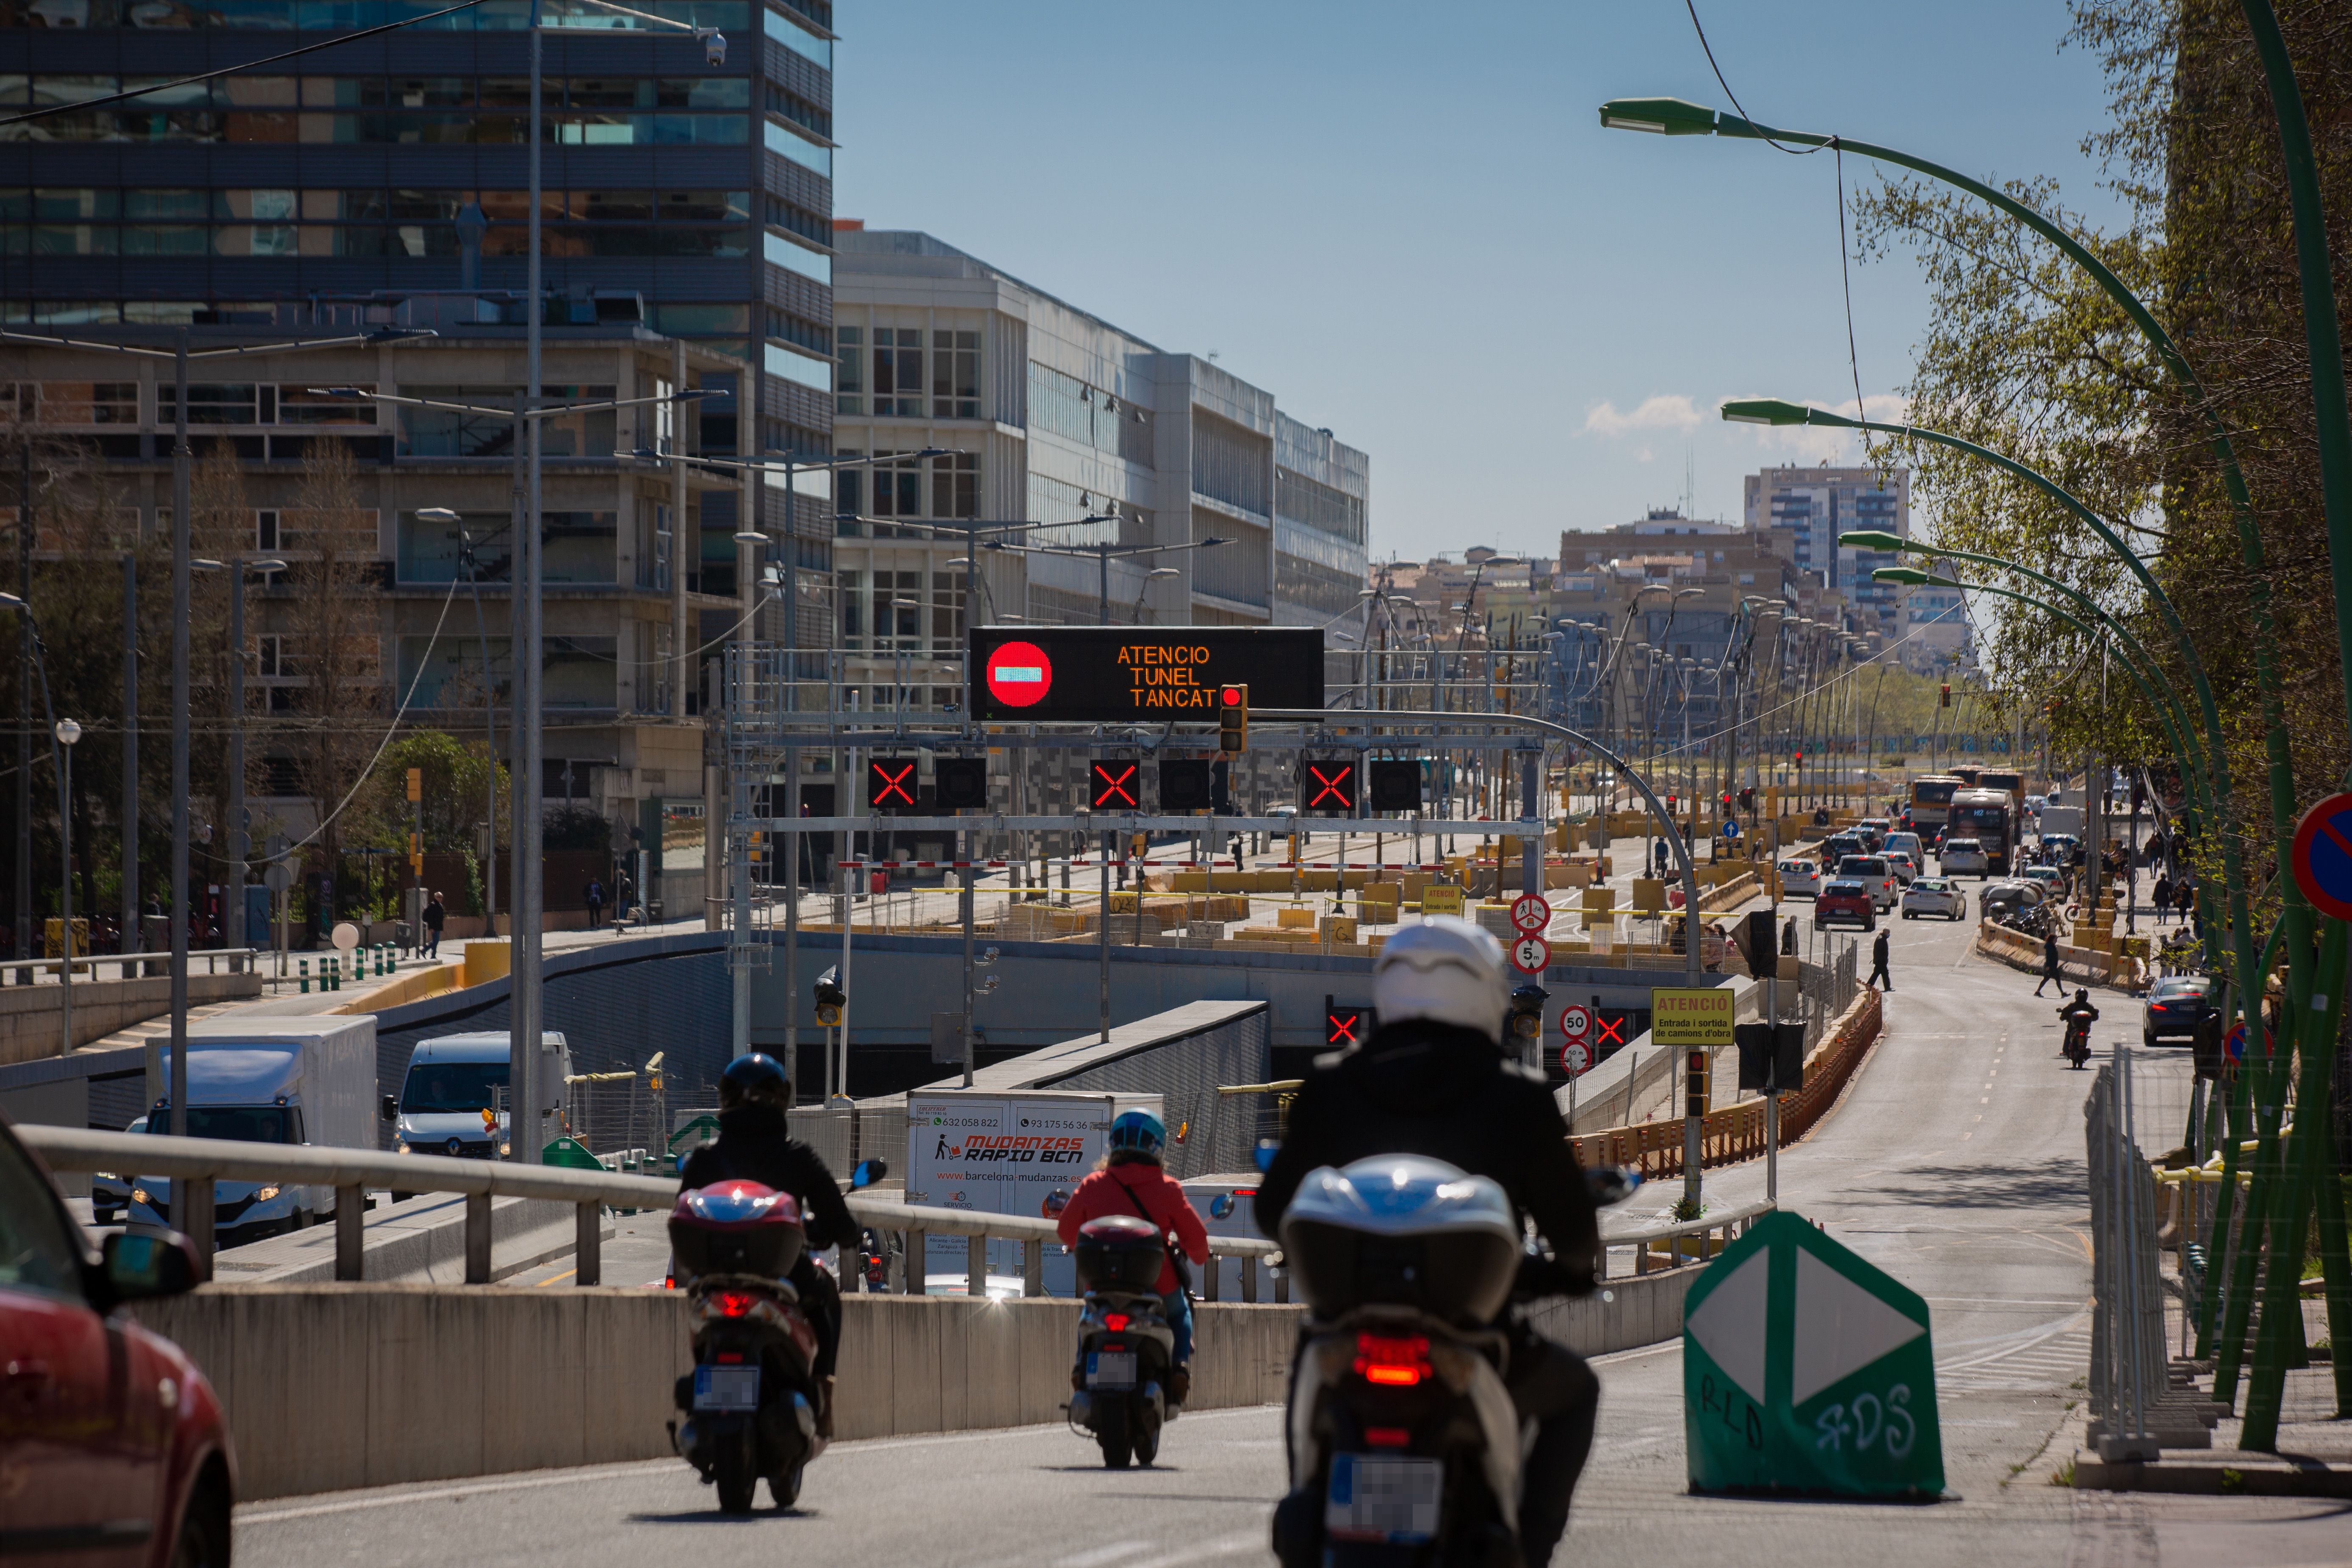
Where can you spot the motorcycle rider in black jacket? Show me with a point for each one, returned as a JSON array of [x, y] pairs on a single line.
[[754, 1145], [2079, 1015], [1433, 1079]]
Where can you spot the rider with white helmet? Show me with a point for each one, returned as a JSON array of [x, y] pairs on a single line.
[[1433, 1079]]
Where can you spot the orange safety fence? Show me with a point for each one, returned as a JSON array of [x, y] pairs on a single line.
[[1736, 1131]]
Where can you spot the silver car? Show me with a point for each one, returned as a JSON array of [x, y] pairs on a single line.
[[1963, 855], [1934, 896]]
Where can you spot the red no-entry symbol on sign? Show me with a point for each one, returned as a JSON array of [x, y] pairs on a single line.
[[1019, 674]]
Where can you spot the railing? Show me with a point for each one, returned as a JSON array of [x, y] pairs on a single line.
[[1731, 1224], [130, 966], [196, 1163]]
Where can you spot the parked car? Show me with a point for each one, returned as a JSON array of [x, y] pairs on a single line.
[[1800, 879], [1905, 867], [1845, 900], [1875, 874], [2051, 879], [2174, 1007], [114, 1449], [1963, 855], [1934, 896]]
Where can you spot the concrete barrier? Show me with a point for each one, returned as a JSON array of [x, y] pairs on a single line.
[[28, 1014], [334, 1386], [329, 1387]]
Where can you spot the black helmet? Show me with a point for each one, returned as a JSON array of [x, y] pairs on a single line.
[[757, 1077]]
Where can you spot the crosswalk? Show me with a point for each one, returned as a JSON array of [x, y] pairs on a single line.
[[2043, 1360]]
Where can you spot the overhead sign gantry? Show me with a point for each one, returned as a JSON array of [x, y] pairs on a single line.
[[1138, 675]]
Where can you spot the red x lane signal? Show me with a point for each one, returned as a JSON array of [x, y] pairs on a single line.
[[890, 784], [1115, 785], [1328, 785], [1342, 1025], [1612, 1030]]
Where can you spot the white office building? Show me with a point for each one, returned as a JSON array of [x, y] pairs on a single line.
[[1131, 457], [1816, 505]]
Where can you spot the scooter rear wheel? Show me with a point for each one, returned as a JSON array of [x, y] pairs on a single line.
[[786, 1488], [739, 1487], [1110, 1431]]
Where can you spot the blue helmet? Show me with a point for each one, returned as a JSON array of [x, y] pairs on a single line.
[[1138, 1132]]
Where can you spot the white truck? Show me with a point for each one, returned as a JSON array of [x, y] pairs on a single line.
[[304, 1080], [452, 1099], [1006, 1152]]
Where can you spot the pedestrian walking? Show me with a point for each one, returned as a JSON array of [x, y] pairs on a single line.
[[1878, 964], [624, 896], [2162, 898], [592, 895], [435, 915], [1789, 938], [2051, 969]]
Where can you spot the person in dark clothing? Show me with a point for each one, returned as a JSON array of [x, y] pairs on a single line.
[[2161, 897], [436, 916], [755, 1145], [2051, 968], [1879, 964], [1432, 1080], [592, 895], [1789, 938]]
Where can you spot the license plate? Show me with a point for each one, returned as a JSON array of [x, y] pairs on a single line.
[[727, 1388], [1383, 1496], [1110, 1369]]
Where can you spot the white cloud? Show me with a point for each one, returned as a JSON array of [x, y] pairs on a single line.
[[1666, 411]]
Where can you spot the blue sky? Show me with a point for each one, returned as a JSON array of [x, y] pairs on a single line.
[[1408, 225]]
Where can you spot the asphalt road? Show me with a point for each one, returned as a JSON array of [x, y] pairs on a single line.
[[1955, 1162]]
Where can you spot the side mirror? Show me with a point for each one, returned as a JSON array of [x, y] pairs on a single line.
[[1266, 1149], [1222, 1207], [390, 1109], [140, 1265], [867, 1173]]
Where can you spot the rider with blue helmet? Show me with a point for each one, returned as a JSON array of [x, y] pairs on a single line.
[[1131, 1181]]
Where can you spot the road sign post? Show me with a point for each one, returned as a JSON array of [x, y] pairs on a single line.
[[1696, 1019], [1531, 954], [1530, 916], [1808, 1371]]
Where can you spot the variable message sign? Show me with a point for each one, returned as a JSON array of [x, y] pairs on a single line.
[[1144, 674]]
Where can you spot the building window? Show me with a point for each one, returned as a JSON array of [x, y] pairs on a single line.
[[955, 376], [955, 483], [853, 608], [849, 384], [898, 371]]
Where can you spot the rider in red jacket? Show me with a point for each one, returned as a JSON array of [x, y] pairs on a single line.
[[1130, 1181]]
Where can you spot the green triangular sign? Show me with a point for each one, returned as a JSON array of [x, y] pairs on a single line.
[[1807, 1370]]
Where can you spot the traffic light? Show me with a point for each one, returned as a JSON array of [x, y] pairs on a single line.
[[1112, 784], [1233, 719], [1523, 1028], [758, 847], [1344, 1027], [890, 784], [1328, 785], [1798, 759], [959, 783], [1395, 783], [1185, 784], [1725, 798], [830, 997], [1948, 693], [1221, 784], [1674, 804]]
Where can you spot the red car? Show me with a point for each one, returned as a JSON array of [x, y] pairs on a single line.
[[1845, 900], [113, 1451]]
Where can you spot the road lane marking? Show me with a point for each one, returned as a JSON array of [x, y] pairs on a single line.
[[1095, 1557]]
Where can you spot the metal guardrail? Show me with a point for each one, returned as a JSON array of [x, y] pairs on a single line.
[[198, 1163], [1731, 1223], [130, 966]]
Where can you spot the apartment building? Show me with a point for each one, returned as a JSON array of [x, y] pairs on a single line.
[[418, 612], [1818, 504]]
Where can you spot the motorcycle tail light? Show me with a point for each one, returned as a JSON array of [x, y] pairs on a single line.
[[1391, 1362], [730, 1358], [1115, 1322], [733, 1303], [1387, 1437]]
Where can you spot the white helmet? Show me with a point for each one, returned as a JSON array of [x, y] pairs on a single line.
[[1444, 970]]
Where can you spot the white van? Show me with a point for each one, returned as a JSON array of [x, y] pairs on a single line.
[[450, 1099]]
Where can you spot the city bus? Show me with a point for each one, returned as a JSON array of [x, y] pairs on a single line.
[[1931, 802], [1990, 778], [1965, 773], [1988, 816]]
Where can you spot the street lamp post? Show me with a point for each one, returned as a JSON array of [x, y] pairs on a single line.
[[239, 842], [67, 732]]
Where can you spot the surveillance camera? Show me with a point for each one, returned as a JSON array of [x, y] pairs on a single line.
[[714, 48]]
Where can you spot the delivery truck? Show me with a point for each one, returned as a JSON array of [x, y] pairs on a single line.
[[306, 1080]]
